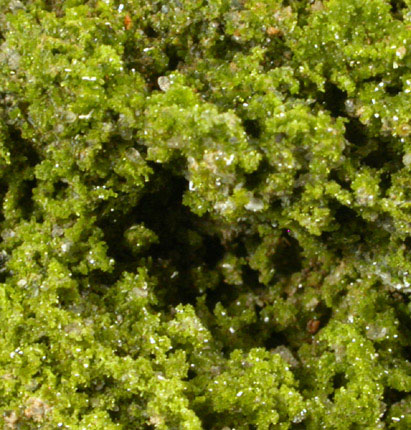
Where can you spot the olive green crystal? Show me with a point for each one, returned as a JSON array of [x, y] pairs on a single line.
[[206, 214]]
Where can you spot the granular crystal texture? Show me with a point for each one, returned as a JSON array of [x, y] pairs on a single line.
[[205, 214]]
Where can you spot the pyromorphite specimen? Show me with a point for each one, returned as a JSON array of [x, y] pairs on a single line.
[[205, 214]]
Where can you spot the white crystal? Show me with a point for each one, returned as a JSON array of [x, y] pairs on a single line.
[[254, 205], [164, 83]]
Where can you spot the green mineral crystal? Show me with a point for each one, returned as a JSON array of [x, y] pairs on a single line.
[[206, 214]]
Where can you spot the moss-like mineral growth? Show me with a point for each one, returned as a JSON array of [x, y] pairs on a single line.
[[206, 214]]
